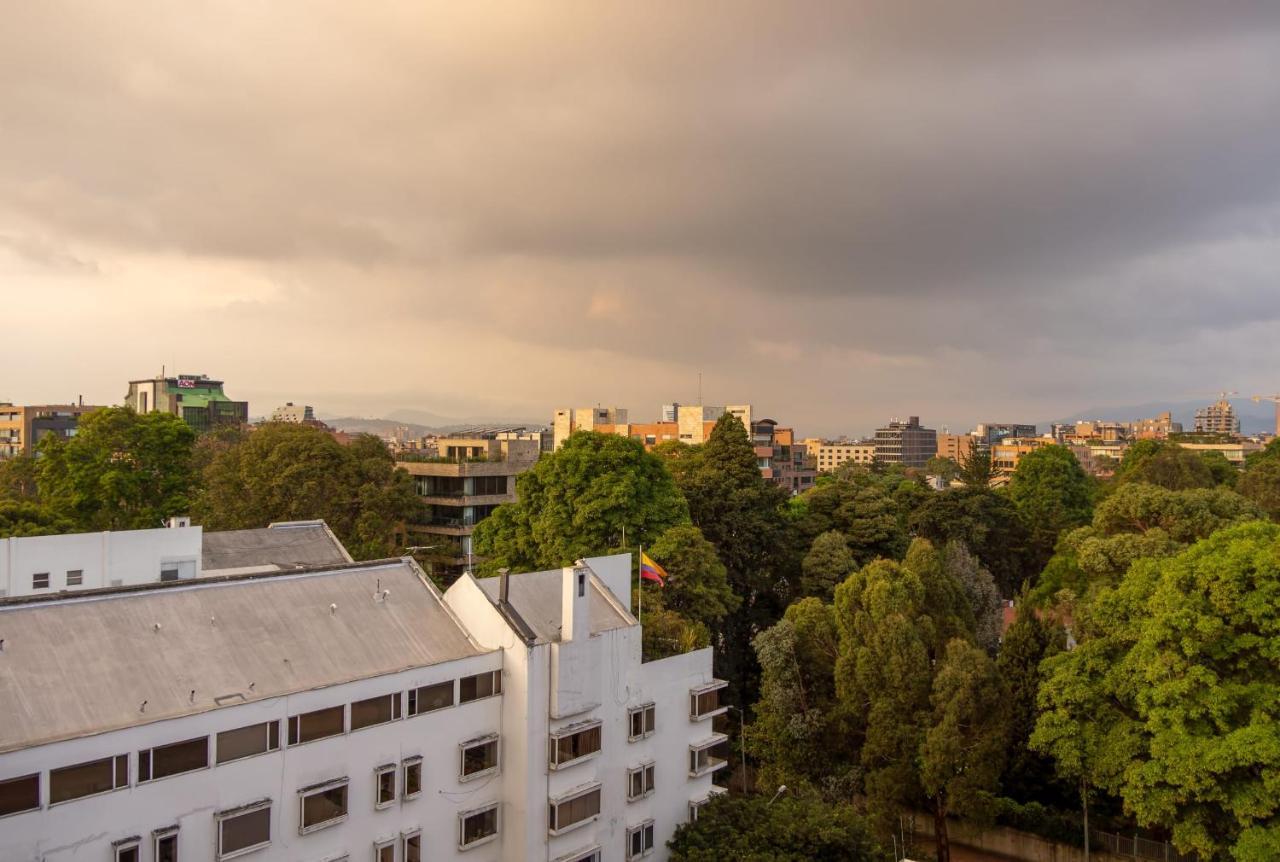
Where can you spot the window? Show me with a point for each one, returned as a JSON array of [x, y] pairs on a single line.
[[384, 851], [481, 685], [385, 785], [248, 741], [478, 826], [592, 855], [242, 830], [320, 724], [701, 760], [573, 810], [704, 701], [40, 581], [165, 844], [479, 756], [75, 577], [430, 698], [173, 759], [87, 779], [411, 786], [375, 710], [640, 781], [569, 745], [19, 794], [322, 805], [127, 849], [640, 840], [412, 842], [642, 720]]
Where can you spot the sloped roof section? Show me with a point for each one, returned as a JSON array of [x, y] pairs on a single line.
[[536, 597], [86, 663], [280, 547]]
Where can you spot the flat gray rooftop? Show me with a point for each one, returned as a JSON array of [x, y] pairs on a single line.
[[536, 597], [84, 664], [284, 546]]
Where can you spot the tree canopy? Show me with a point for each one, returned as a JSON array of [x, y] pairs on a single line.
[[987, 523], [697, 585], [1052, 493], [791, 828]]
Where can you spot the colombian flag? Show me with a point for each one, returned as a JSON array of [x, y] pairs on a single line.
[[651, 571]]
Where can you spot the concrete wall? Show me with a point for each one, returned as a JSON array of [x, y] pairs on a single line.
[[127, 556], [1012, 843]]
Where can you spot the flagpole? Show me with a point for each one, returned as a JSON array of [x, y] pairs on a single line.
[[640, 584]]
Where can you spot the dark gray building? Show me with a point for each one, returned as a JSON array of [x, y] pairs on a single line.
[[905, 443]]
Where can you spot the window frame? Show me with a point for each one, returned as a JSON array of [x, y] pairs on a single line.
[[158, 835], [413, 698], [696, 748], [315, 790], [488, 739], [715, 686], [117, 783], [269, 727], [391, 769], [648, 713], [79, 577], [495, 686], [124, 845], [37, 586], [645, 829], [40, 788], [397, 711], [381, 844], [150, 760], [407, 836], [295, 726], [221, 819], [464, 816], [648, 775], [553, 808], [410, 763], [576, 729]]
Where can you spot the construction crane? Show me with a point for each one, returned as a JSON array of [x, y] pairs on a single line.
[[1275, 399], [1222, 396]]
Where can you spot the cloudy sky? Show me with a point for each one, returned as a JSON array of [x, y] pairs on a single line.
[[966, 210]]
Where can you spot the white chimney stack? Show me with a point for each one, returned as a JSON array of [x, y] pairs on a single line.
[[575, 618]]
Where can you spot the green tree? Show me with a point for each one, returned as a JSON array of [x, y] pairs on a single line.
[[1052, 493], [827, 564], [1261, 484], [1028, 774], [987, 523], [579, 502], [963, 751], [1165, 464], [980, 592], [25, 518], [18, 478], [862, 507], [1224, 473], [697, 587], [790, 828], [798, 734], [121, 471], [944, 468], [1169, 700], [976, 467], [666, 632], [284, 472]]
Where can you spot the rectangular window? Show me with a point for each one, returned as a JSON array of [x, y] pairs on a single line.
[[322, 805], [566, 813], [321, 724], [571, 745], [243, 830], [248, 741], [640, 781], [127, 850], [384, 785], [384, 851], [479, 686], [412, 847], [701, 759], [19, 794], [477, 826], [173, 759], [429, 698], [375, 710], [411, 786], [40, 581], [479, 756], [75, 577], [88, 779], [166, 845], [642, 721], [640, 840], [704, 701]]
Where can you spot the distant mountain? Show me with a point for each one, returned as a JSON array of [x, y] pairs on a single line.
[[1254, 418], [419, 423]]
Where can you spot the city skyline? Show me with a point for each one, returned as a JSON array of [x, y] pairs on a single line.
[[987, 213]]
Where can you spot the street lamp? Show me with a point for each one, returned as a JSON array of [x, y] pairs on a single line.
[[742, 741], [782, 788]]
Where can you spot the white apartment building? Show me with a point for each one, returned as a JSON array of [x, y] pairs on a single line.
[[350, 713], [296, 413], [43, 565]]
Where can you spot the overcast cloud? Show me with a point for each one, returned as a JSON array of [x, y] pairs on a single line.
[[970, 211]]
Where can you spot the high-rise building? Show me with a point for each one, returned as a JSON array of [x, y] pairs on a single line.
[[1218, 418], [906, 443], [1155, 428], [990, 433], [351, 711], [196, 398], [782, 460], [22, 427], [957, 447], [295, 413]]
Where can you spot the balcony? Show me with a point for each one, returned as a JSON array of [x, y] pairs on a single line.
[[701, 759], [704, 701]]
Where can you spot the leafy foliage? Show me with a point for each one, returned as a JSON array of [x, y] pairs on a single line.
[[980, 592], [1165, 464], [1032, 638], [25, 518], [697, 587], [987, 523], [862, 507], [666, 632], [18, 478], [1052, 493], [827, 564], [578, 502], [792, 828], [977, 468], [1261, 485]]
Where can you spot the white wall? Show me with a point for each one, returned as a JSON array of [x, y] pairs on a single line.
[[84, 829], [126, 556]]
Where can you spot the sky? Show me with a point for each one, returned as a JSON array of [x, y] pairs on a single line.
[[838, 212]]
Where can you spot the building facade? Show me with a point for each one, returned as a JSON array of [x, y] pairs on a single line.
[[827, 455], [1218, 418], [351, 713], [1006, 455], [23, 427], [990, 433], [906, 443], [295, 413], [567, 420], [957, 447], [196, 398]]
